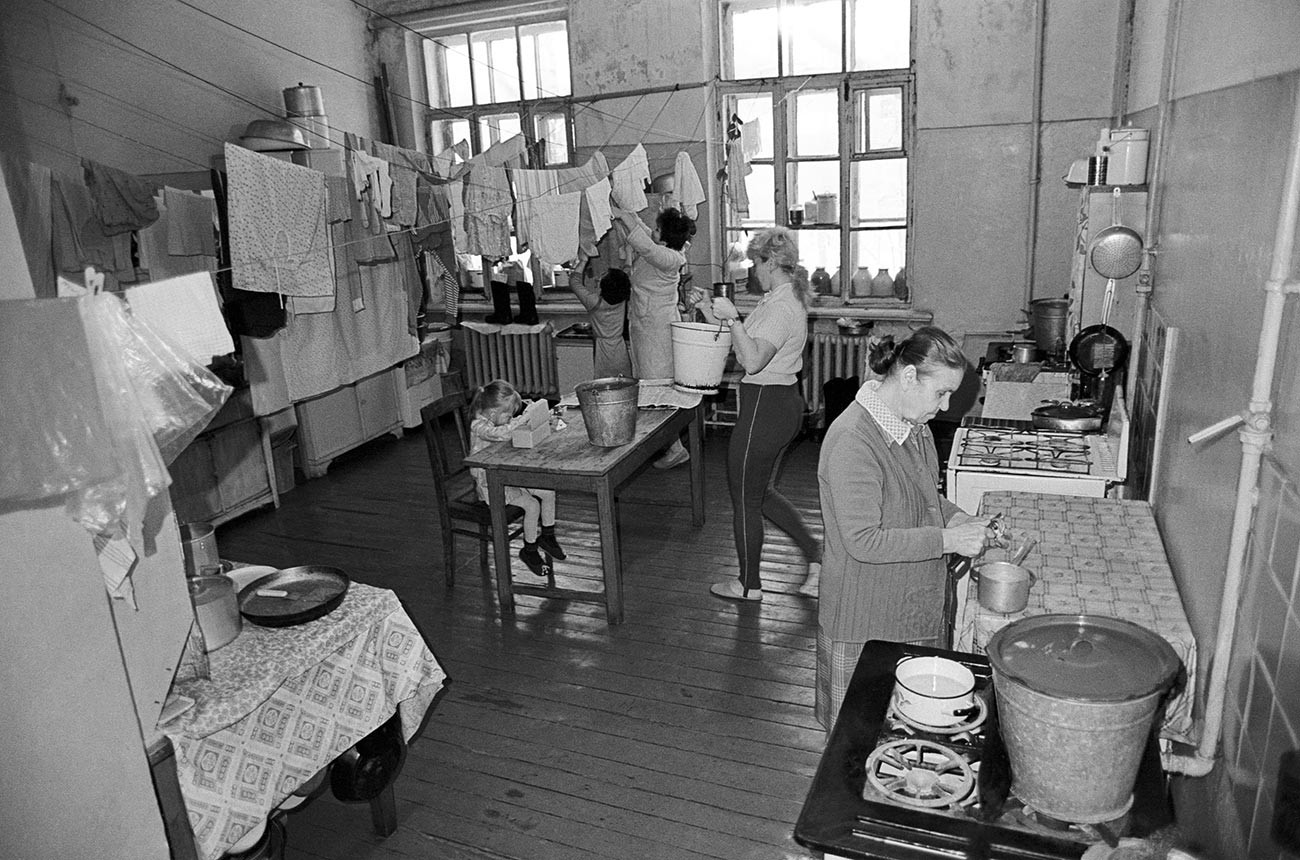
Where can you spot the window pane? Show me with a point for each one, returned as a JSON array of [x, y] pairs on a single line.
[[553, 130], [880, 249], [755, 111], [762, 196], [816, 121], [878, 120], [881, 34], [820, 249], [813, 40], [494, 128], [496, 66], [751, 48], [808, 180], [545, 52], [445, 133], [446, 70], [880, 186]]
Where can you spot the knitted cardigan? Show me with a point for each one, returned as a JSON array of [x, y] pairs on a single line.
[[883, 569]]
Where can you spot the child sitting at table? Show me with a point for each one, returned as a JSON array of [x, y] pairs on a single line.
[[495, 413]]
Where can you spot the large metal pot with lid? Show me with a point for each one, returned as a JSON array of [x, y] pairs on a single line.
[[1077, 695], [1070, 416]]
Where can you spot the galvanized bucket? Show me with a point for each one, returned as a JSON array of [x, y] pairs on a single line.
[[609, 409]]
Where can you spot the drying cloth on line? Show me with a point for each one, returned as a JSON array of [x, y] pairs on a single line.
[[122, 201], [510, 152], [443, 283], [456, 205], [29, 192], [686, 185], [338, 200], [191, 223], [629, 180], [487, 208], [153, 243], [279, 241], [76, 235], [402, 167], [533, 184], [554, 236], [371, 182], [311, 304], [185, 310], [598, 205]]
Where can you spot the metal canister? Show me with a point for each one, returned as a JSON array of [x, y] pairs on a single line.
[[304, 100]]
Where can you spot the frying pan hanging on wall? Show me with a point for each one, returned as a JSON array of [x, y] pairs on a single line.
[[1115, 253]]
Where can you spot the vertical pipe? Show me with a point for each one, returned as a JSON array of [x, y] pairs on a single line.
[[1035, 155]]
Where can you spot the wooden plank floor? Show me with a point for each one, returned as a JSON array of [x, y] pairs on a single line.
[[686, 732]]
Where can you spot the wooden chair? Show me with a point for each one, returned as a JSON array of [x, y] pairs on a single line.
[[460, 511]]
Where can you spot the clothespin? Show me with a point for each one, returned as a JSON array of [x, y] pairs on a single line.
[[94, 280]]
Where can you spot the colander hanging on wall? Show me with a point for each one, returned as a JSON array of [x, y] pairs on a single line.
[[1116, 252]]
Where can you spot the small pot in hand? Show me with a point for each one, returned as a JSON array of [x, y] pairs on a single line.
[[1003, 586]]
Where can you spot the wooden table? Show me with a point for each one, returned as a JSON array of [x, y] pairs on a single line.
[[566, 461]]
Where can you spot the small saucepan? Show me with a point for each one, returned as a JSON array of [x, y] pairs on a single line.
[[1003, 586], [1024, 353]]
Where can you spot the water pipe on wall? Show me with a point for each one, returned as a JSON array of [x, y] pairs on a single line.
[[1256, 437], [1035, 154]]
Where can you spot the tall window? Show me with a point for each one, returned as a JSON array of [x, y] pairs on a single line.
[[817, 101], [487, 85]]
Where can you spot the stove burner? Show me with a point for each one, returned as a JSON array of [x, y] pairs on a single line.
[[1025, 451], [921, 773]]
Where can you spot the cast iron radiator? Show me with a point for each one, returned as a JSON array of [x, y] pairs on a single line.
[[525, 360], [828, 356]]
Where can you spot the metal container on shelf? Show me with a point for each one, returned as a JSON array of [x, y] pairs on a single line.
[[304, 100]]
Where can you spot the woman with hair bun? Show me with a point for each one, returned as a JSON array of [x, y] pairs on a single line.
[[887, 527], [769, 345]]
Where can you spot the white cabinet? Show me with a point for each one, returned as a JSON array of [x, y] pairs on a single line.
[[346, 417]]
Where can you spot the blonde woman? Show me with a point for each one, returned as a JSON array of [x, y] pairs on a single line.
[[769, 345]]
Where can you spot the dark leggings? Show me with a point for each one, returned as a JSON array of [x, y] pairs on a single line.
[[769, 421]]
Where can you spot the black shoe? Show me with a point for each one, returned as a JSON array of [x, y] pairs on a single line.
[[531, 557], [549, 545]]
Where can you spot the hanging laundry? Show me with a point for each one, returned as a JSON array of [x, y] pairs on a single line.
[[123, 202], [443, 283], [191, 223], [686, 185], [371, 182], [77, 237], [511, 152], [554, 231], [487, 207], [403, 166], [279, 240], [456, 205], [629, 180], [598, 207], [531, 184]]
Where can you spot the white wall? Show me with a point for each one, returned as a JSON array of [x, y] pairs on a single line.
[[1235, 89]]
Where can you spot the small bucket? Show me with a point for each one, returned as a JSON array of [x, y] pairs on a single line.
[[609, 409], [700, 353]]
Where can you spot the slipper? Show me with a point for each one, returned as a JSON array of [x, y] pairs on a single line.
[[733, 590], [672, 459], [812, 582]]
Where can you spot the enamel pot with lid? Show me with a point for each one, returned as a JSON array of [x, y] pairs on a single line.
[[1077, 697]]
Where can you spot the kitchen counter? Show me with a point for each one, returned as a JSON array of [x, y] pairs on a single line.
[[1094, 556]]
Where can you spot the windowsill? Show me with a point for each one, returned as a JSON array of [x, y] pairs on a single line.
[[821, 309]]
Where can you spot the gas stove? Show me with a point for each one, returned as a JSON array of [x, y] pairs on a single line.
[[889, 788], [1034, 450]]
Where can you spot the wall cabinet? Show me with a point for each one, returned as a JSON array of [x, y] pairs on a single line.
[[347, 417], [228, 469]]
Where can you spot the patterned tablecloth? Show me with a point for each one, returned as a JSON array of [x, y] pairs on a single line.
[[1094, 556], [281, 703]]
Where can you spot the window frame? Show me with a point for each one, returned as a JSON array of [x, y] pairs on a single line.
[[528, 110], [848, 85]]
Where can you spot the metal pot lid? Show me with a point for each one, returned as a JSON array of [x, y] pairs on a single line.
[[1089, 658], [1068, 410]]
